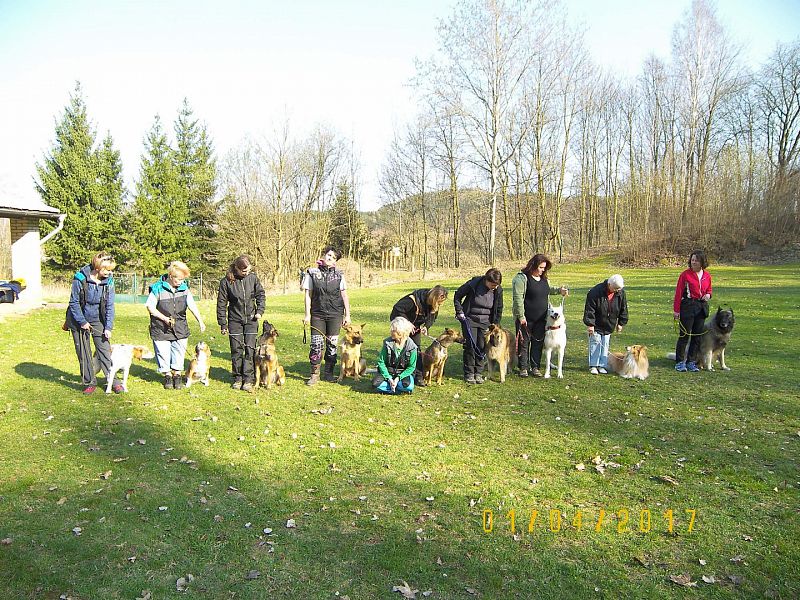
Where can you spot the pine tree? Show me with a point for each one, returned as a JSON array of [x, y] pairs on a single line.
[[197, 173], [157, 227], [348, 231], [83, 182]]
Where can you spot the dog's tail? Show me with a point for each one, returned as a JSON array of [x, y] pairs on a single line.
[[671, 356]]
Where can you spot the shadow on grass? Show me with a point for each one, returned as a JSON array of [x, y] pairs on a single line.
[[31, 370]]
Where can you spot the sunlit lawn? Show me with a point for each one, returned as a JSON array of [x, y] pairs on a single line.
[[382, 490]]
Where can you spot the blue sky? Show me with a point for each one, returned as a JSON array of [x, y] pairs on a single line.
[[247, 66]]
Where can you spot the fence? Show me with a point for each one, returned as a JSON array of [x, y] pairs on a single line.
[[133, 288]]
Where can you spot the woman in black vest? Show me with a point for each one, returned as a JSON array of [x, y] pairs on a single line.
[[420, 307], [169, 298], [327, 308], [240, 304], [478, 303], [530, 291]]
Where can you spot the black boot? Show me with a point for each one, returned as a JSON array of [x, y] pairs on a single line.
[[177, 380], [327, 374], [168, 381]]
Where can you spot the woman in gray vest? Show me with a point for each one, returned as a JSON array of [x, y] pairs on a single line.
[[327, 308], [167, 303], [478, 304]]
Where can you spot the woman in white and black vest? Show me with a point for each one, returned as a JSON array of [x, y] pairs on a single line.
[[169, 298], [327, 308], [478, 304], [240, 304], [530, 291]]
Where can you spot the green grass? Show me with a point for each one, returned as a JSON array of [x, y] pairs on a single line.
[[356, 480]]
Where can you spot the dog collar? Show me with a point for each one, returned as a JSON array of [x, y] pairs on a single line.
[[556, 327]]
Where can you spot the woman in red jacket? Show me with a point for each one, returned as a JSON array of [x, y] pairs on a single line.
[[691, 306]]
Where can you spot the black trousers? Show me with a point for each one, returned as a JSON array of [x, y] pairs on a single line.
[[324, 332], [419, 373], [531, 342], [91, 364], [243, 350], [474, 362], [693, 314]]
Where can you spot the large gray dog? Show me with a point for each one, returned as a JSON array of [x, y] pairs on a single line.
[[716, 335]]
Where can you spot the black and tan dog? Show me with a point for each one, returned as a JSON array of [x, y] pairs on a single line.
[[498, 349], [434, 358], [350, 352], [716, 335], [268, 370]]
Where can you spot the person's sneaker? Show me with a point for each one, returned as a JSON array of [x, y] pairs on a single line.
[[117, 388], [594, 371], [537, 373], [602, 371], [89, 389], [469, 380], [479, 379], [692, 367], [247, 387], [237, 384], [680, 367], [168, 382], [523, 372]]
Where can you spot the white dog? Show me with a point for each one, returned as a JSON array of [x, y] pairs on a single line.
[[199, 365], [122, 356], [555, 338]]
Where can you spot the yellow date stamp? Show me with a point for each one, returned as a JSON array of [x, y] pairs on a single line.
[[621, 521]]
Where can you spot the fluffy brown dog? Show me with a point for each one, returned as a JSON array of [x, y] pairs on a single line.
[[498, 349], [199, 365], [434, 358], [633, 363], [350, 352], [268, 370]]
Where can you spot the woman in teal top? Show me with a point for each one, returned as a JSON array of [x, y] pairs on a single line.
[[397, 359]]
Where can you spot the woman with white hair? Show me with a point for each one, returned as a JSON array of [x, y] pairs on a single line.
[[397, 359], [606, 311]]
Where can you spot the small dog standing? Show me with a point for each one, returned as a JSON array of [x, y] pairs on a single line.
[[631, 364], [200, 365], [435, 357], [268, 370], [555, 338], [122, 356], [498, 349], [350, 352]]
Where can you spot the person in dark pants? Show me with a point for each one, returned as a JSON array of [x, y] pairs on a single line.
[[240, 304], [605, 311], [167, 303], [478, 304], [90, 318], [690, 306], [327, 308], [530, 292], [420, 307]]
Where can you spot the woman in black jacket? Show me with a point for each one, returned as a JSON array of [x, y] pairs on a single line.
[[240, 304], [420, 307], [606, 310], [478, 304]]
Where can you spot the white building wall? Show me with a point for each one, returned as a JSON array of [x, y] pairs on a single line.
[[26, 258]]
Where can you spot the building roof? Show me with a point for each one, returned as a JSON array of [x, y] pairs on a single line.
[[16, 203]]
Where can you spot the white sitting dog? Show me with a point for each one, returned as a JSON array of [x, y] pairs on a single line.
[[122, 356], [555, 338]]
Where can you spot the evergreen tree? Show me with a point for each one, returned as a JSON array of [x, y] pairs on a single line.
[[348, 231], [197, 173], [157, 228], [83, 182]]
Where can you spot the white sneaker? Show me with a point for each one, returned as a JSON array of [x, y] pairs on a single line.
[[602, 371], [593, 371]]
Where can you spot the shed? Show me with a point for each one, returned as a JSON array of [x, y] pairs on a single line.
[[23, 212]]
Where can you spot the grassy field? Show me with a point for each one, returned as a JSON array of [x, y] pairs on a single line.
[[385, 490]]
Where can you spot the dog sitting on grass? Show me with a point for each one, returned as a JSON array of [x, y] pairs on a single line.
[[350, 352], [199, 366], [555, 338], [268, 370], [498, 350]]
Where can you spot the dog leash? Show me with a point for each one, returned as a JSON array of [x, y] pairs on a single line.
[[678, 327], [305, 335], [481, 356]]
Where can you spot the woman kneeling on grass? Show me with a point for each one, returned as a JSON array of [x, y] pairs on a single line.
[[167, 303], [397, 360]]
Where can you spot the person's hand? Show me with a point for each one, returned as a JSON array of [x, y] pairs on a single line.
[[307, 320], [590, 330], [676, 315], [461, 317], [706, 298], [86, 326], [256, 317], [423, 330], [619, 328], [564, 291], [107, 334], [346, 320], [223, 330], [202, 327], [523, 322], [393, 384]]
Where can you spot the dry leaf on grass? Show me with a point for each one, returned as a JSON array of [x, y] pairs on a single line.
[[77, 530], [580, 467], [252, 574], [668, 479], [737, 559], [146, 595], [736, 579], [472, 591], [683, 580], [6, 542], [702, 562], [105, 475], [183, 582], [290, 524], [709, 579], [405, 591]]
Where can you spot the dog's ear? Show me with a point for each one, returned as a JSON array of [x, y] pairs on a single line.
[[274, 332], [363, 325]]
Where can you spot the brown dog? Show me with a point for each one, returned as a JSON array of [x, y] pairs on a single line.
[[268, 370], [350, 352], [434, 358], [199, 365], [498, 349], [632, 364]]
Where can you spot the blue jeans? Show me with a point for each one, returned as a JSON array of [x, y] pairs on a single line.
[[598, 349], [404, 385], [170, 354]]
